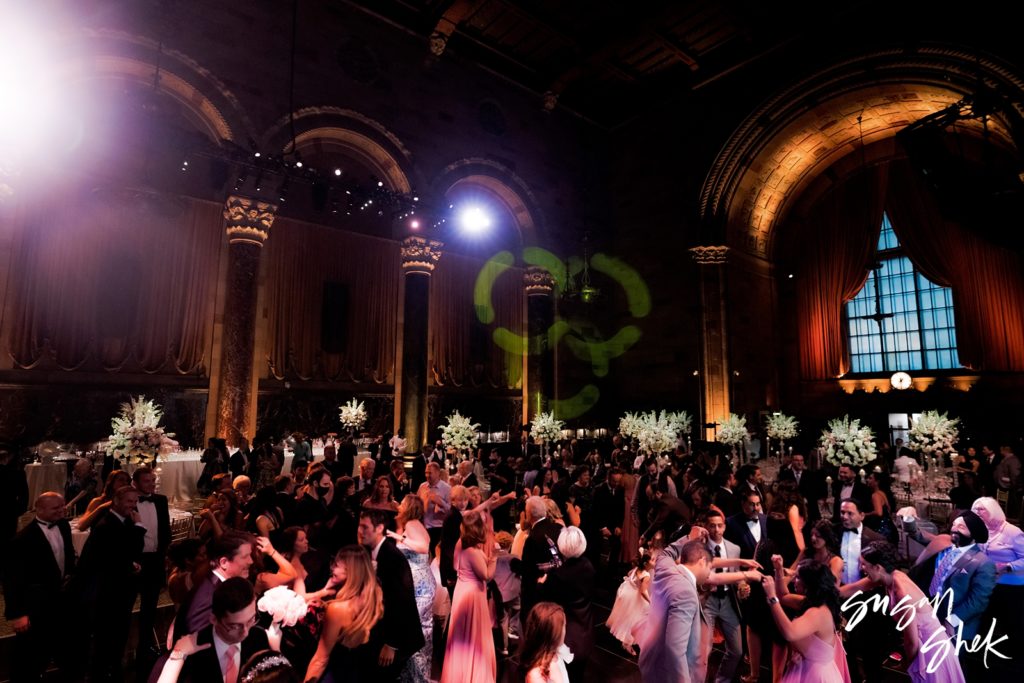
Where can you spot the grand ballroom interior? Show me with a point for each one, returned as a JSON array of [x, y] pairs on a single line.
[[251, 213]]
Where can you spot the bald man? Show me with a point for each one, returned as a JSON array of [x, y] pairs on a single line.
[[40, 561]]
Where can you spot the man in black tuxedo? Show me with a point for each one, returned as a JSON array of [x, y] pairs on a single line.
[[670, 516], [540, 552], [868, 640], [39, 562], [108, 577], [155, 517], [749, 527], [609, 512], [643, 501], [228, 640], [724, 496], [418, 473], [848, 485], [238, 463], [398, 634], [749, 478], [347, 454], [230, 556], [810, 484]]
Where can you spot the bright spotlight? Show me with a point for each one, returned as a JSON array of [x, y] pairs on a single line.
[[29, 102], [474, 220], [415, 225], [337, 171]]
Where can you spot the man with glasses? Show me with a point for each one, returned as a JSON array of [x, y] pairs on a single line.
[[217, 652]]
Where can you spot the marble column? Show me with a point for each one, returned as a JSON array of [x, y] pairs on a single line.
[[540, 358], [247, 223], [419, 257], [714, 348]]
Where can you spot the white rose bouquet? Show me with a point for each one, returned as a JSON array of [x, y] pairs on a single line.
[[934, 434], [658, 434], [460, 433], [546, 428], [681, 422], [283, 605], [353, 414], [137, 436], [846, 442], [630, 425]]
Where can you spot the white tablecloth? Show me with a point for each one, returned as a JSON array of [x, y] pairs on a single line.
[[78, 538], [42, 478]]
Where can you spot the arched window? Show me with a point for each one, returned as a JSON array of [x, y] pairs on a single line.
[[900, 320]]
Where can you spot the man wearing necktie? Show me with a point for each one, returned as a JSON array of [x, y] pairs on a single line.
[[721, 606], [155, 517], [868, 639], [41, 559], [847, 486]]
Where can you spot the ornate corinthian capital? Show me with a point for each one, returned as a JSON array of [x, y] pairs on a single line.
[[420, 255], [709, 256], [538, 281], [247, 220]]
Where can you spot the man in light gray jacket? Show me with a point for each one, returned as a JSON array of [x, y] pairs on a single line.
[[670, 645]]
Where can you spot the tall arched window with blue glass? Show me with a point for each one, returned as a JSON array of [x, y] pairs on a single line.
[[900, 320]]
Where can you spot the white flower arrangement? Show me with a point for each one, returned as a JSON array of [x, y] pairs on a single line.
[[846, 442], [283, 605], [546, 428], [657, 433], [781, 426], [137, 436], [630, 425], [353, 414], [734, 430], [933, 433], [459, 433], [681, 422]]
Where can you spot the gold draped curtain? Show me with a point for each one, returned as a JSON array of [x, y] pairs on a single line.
[[118, 281], [462, 348], [301, 259]]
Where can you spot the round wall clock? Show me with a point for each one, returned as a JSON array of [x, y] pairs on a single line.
[[900, 380]]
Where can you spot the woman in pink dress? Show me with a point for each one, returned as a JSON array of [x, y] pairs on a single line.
[[879, 561], [816, 652], [469, 655]]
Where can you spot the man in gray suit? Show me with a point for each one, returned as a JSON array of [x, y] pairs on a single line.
[[721, 605], [670, 646]]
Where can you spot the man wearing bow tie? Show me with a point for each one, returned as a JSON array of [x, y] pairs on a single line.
[[868, 639], [40, 560], [155, 517]]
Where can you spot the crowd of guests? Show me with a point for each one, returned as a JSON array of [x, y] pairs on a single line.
[[439, 565]]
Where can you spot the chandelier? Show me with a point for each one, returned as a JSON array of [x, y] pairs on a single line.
[[578, 285]]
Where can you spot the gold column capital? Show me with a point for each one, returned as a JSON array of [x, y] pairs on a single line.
[[248, 221], [538, 281], [420, 255], [709, 255]]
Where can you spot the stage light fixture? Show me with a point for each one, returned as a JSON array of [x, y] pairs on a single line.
[[474, 220]]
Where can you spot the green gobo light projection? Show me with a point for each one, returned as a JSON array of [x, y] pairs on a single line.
[[582, 337]]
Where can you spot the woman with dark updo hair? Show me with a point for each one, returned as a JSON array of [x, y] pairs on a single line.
[[879, 560], [816, 653]]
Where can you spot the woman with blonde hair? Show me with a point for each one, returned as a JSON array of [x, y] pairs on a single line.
[[542, 650], [348, 619], [469, 655]]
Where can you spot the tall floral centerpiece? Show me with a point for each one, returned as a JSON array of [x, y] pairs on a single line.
[[781, 427], [460, 433], [546, 429], [630, 425], [733, 432], [137, 436], [353, 415], [846, 442], [933, 435], [682, 423], [658, 434]]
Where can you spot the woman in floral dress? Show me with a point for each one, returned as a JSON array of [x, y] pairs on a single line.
[[414, 542]]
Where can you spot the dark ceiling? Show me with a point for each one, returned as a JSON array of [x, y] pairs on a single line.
[[606, 60]]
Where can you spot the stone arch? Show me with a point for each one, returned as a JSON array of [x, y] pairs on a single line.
[[209, 104], [792, 139], [323, 129], [502, 184]]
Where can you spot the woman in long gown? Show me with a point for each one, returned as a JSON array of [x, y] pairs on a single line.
[[879, 560], [630, 525], [816, 652], [469, 654], [414, 542], [348, 618]]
